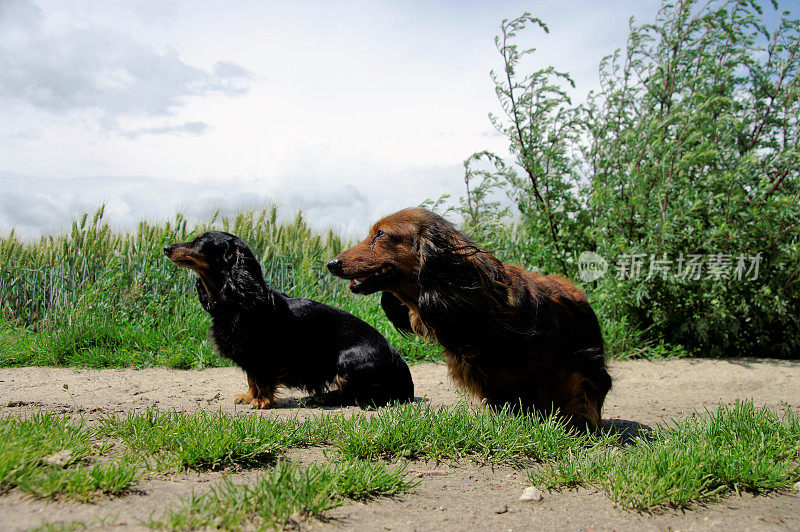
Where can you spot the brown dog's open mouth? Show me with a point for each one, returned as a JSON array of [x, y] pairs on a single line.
[[370, 282]]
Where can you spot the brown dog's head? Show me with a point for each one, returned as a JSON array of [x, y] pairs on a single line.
[[388, 258], [391, 256], [433, 278]]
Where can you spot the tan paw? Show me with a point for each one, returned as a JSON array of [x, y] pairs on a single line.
[[261, 403], [243, 399]]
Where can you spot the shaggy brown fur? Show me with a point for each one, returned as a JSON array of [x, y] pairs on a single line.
[[510, 336]]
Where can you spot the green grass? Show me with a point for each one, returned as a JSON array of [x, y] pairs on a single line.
[[733, 449], [59, 526], [736, 449], [204, 440], [97, 298], [216, 440], [418, 430], [286, 493], [27, 443]]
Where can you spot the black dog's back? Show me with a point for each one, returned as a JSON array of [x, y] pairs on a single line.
[[333, 344], [369, 368]]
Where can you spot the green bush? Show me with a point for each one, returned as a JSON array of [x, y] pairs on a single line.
[[689, 151]]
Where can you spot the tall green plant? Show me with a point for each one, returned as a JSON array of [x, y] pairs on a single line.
[[689, 152], [97, 297], [695, 150], [542, 126]]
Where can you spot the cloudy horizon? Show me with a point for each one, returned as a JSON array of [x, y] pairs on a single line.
[[347, 111]]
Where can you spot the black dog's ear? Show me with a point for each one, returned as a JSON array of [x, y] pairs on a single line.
[[231, 254], [244, 283], [396, 311]]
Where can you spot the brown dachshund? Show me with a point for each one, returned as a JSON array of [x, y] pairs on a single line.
[[510, 336]]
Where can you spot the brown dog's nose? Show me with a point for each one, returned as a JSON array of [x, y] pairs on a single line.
[[335, 266], [167, 249]]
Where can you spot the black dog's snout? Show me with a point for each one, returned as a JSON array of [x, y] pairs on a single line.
[[167, 249], [335, 266]]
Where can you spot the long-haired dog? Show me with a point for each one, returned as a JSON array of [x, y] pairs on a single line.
[[284, 341], [510, 336]]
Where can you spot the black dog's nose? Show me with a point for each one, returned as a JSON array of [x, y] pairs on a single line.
[[335, 266], [166, 249]]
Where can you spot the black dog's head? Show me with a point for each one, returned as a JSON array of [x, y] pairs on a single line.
[[227, 271]]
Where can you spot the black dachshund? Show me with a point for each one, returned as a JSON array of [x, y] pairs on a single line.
[[284, 341]]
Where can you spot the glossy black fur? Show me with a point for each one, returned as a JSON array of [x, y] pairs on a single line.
[[293, 342]]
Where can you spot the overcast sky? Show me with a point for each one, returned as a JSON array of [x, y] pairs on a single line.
[[348, 109]]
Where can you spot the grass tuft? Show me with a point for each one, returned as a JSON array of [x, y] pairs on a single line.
[[738, 448], [203, 440], [59, 526], [287, 493], [30, 441], [462, 431]]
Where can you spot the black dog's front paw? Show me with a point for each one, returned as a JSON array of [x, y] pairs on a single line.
[[260, 403]]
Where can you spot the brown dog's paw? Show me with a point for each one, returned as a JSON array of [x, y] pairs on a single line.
[[243, 399], [262, 402]]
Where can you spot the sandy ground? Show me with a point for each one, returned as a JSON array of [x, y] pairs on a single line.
[[457, 496]]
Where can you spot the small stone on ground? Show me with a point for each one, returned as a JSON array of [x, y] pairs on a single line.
[[58, 459], [531, 493]]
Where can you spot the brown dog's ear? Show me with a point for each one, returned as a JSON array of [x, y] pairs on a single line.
[[445, 256], [462, 296], [432, 242]]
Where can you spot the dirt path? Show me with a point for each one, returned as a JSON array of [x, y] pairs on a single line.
[[450, 496]]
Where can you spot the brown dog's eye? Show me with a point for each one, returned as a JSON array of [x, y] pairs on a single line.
[[378, 234]]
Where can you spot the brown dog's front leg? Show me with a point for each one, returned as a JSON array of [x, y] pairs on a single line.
[[265, 398], [251, 393]]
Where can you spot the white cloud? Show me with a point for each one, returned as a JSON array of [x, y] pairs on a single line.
[[191, 128], [348, 110], [97, 69], [34, 205]]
